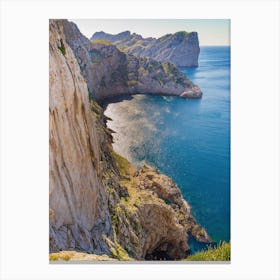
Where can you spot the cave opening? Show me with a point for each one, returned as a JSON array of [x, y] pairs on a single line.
[[166, 251], [159, 255]]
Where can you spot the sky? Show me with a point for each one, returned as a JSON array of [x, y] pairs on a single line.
[[211, 32]]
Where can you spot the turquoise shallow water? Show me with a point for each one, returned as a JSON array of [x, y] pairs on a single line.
[[189, 140]]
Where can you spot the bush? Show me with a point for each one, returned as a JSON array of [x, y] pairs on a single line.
[[62, 47], [132, 83]]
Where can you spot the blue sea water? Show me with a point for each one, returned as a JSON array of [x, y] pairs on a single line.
[[189, 140]]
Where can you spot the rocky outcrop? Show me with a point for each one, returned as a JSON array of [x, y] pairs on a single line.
[[99, 203], [153, 221], [181, 48], [126, 35], [110, 72]]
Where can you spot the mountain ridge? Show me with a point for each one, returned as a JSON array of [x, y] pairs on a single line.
[[181, 48], [110, 72]]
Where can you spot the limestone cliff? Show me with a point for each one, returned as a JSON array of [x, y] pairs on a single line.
[[152, 220], [99, 203], [79, 215], [181, 48], [110, 72]]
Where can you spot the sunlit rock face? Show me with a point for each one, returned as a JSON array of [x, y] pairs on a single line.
[[181, 48], [110, 72], [78, 201]]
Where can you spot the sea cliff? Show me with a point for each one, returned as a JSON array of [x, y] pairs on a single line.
[[99, 203], [180, 48], [110, 72]]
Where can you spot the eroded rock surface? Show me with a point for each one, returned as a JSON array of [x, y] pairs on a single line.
[[181, 48], [110, 72], [79, 215], [154, 222]]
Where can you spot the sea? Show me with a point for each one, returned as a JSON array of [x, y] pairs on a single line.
[[187, 139]]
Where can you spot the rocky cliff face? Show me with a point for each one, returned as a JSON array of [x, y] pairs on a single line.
[[181, 48], [98, 202], [78, 201], [110, 72], [152, 220]]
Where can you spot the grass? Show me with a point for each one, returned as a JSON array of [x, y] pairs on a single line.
[[221, 253], [132, 83], [62, 47], [103, 42], [123, 165], [119, 253], [64, 256]]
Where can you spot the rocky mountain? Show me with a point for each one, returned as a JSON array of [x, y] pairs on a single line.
[[110, 72], [181, 48], [111, 38], [99, 203]]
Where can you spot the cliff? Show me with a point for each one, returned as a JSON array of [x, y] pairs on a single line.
[[110, 72], [99, 203], [181, 48], [78, 200]]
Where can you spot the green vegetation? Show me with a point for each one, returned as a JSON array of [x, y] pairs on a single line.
[[62, 47], [95, 108], [102, 42], [221, 253], [53, 257], [119, 253], [65, 256], [132, 83], [123, 165]]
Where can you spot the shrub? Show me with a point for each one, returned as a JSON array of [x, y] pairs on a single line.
[[62, 47], [132, 83]]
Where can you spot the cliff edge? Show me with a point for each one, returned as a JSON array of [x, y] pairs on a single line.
[[99, 203], [110, 72]]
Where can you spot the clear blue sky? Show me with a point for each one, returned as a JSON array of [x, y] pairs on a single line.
[[210, 31]]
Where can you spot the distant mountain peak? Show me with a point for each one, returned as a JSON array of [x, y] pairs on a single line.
[[181, 48]]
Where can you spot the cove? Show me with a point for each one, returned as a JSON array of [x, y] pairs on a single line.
[[187, 139]]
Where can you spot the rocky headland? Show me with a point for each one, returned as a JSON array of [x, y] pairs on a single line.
[[181, 48], [110, 72], [100, 205]]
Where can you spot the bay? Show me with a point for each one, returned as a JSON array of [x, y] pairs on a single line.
[[188, 140]]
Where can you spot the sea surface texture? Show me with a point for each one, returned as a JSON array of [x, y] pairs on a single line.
[[189, 140]]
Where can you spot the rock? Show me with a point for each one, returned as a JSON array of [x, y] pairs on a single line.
[[181, 48], [155, 223], [123, 192], [111, 38], [110, 72], [76, 189]]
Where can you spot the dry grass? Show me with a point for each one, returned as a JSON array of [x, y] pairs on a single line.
[[221, 253]]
